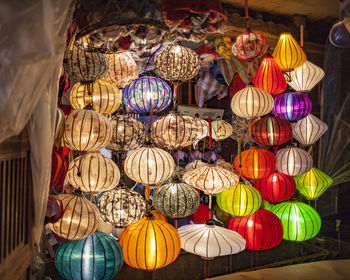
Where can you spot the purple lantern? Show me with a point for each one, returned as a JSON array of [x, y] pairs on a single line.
[[292, 106], [339, 35]]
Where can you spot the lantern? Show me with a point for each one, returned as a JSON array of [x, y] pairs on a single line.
[[300, 221], [221, 215], [220, 130], [339, 35], [255, 163], [287, 53], [293, 161], [224, 164], [269, 77], [159, 216], [240, 200], [121, 207], [150, 244], [59, 168], [87, 130], [271, 131], [251, 102], [147, 94], [210, 241], [202, 215], [104, 226], [194, 164], [60, 125], [313, 183], [79, 220], [308, 130], [292, 106], [98, 256], [202, 128]]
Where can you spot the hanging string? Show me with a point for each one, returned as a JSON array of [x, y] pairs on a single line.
[[302, 35], [175, 86], [246, 13], [210, 208], [210, 137]]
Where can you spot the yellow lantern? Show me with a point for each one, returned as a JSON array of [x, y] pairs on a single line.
[[220, 130]]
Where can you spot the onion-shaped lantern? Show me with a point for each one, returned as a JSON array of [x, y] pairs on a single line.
[[150, 244], [220, 130], [147, 94], [194, 164], [339, 35], [313, 183], [300, 221], [98, 256], [293, 161], [262, 230]]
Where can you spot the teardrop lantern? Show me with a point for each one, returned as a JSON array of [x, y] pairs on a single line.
[[293, 161], [220, 129]]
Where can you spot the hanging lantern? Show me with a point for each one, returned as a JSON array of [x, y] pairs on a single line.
[[293, 161], [339, 35], [150, 244], [147, 94], [194, 164], [159, 216], [220, 130], [255, 163], [87, 130], [98, 257], [79, 220], [288, 54], [313, 183], [104, 226], [202, 128], [240, 200], [292, 106], [202, 215], [308, 130], [60, 125], [221, 215], [251, 102], [271, 131], [300, 221], [224, 164], [210, 241]]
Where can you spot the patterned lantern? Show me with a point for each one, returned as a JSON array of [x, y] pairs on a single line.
[[308, 130], [147, 94], [293, 161], [276, 187], [292, 106], [98, 256], [262, 230], [251, 102], [271, 131], [300, 221], [87, 130], [240, 200], [256, 163], [202, 128], [288, 54], [60, 125], [220, 130], [150, 244], [313, 183]]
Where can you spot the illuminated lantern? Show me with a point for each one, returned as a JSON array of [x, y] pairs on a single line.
[[220, 130], [194, 164], [308, 130], [276, 187], [98, 257], [271, 131], [287, 53], [202, 215], [79, 220], [147, 94], [293, 161], [300, 221], [240, 200], [313, 183], [87, 130], [150, 244], [159, 216], [256, 163], [202, 128], [269, 77], [60, 125], [262, 230], [104, 226], [292, 106], [251, 102]]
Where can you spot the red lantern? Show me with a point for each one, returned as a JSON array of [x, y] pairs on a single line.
[[262, 230], [59, 170], [201, 216], [276, 187], [236, 85], [256, 163], [271, 131]]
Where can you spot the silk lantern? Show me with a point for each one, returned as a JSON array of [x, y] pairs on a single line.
[[293, 161], [201, 127], [339, 35], [220, 130], [202, 215]]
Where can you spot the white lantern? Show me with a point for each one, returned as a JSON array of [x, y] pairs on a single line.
[[293, 161], [220, 130]]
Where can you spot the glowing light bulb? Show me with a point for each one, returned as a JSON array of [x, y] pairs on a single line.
[[92, 183]]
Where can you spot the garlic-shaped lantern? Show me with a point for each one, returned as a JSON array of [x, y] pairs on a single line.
[[220, 129], [293, 161]]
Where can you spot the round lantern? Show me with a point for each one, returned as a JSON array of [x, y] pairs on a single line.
[[210, 241], [87, 130], [176, 63], [271, 131], [300, 221], [150, 244], [339, 35], [104, 226], [98, 256], [93, 173], [251, 102], [121, 207], [159, 216], [147, 94], [262, 230], [60, 125], [202, 128], [313, 183], [255, 164], [308, 130], [194, 164], [220, 130], [287, 53], [293, 161], [292, 106], [79, 220], [240, 200]]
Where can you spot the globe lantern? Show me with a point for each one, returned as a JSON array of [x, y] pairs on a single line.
[[293, 161], [202, 128], [220, 130]]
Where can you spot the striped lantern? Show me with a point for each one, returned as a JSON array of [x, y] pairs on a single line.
[[202, 128], [293, 161], [220, 130]]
